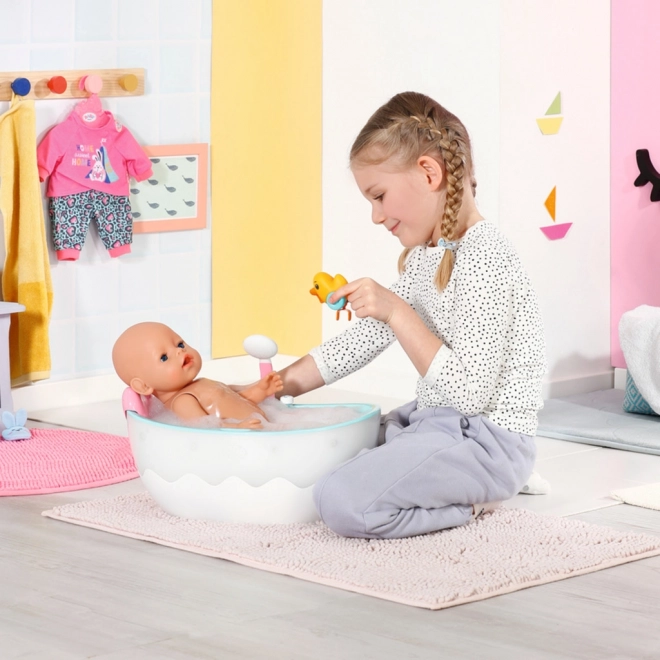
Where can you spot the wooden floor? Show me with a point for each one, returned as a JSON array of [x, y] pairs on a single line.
[[67, 592]]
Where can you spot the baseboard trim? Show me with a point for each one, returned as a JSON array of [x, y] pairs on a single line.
[[244, 369], [581, 384], [620, 377], [46, 395]]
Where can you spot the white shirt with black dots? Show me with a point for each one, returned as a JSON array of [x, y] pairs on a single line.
[[492, 359]]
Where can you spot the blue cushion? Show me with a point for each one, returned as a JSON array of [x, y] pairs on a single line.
[[634, 402]]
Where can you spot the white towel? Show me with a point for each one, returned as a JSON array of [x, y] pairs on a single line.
[[647, 496], [639, 336]]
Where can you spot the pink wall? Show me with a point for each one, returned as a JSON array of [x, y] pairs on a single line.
[[635, 124]]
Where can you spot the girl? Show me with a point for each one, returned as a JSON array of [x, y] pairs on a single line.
[[465, 313]]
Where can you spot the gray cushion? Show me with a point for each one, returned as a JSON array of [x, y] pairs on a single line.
[[633, 401]]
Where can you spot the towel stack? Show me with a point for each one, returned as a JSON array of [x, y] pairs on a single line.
[[639, 336]]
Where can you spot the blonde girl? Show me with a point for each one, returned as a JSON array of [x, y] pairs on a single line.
[[464, 311]]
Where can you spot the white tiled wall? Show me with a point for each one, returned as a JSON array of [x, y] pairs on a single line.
[[167, 277]]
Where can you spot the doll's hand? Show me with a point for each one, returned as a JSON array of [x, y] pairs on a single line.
[[263, 388], [249, 424], [368, 298], [272, 383]]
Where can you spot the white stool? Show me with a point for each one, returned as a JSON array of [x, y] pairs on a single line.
[[6, 308]]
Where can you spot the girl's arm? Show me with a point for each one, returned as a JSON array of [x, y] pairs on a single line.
[[419, 343], [370, 299], [300, 377]]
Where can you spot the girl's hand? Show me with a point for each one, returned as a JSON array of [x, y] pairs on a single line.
[[368, 298]]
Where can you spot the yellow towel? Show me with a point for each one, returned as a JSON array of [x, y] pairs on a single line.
[[26, 274]]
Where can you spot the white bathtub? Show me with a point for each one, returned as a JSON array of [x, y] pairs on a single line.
[[238, 475]]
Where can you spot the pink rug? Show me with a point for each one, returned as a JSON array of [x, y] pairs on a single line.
[[507, 550], [55, 460]]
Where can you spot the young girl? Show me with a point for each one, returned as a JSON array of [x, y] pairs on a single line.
[[465, 313]]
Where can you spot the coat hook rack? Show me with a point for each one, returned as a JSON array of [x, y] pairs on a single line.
[[78, 83]]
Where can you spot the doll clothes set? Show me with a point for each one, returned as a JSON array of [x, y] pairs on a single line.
[[88, 159]]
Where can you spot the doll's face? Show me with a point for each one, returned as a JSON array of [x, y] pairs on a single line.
[[168, 362], [152, 358]]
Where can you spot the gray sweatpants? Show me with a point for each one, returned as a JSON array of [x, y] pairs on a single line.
[[433, 466]]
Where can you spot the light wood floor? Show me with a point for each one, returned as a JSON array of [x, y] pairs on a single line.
[[67, 592]]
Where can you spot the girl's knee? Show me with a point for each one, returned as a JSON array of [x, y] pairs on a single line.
[[336, 506]]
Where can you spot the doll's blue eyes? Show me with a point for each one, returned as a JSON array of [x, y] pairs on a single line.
[[163, 357]]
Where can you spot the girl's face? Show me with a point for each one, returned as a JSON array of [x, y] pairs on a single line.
[[409, 203]]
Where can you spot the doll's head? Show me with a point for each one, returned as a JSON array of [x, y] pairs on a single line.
[[153, 359]]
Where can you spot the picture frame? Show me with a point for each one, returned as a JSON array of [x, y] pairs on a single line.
[[174, 197]]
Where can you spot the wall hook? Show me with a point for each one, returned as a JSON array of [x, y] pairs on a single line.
[[129, 82], [57, 84], [92, 83], [647, 174], [21, 86]]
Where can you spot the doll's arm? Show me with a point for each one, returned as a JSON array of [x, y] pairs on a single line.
[[186, 406], [264, 388]]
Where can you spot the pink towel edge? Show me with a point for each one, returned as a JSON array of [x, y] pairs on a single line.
[[66, 489]]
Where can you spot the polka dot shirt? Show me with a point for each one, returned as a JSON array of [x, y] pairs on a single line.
[[492, 360]]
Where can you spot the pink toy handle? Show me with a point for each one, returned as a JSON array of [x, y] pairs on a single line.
[[265, 367], [131, 400]]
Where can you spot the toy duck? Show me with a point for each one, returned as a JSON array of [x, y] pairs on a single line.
[[324, 286]]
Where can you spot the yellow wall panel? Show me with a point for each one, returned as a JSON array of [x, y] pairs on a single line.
[[266, 172]]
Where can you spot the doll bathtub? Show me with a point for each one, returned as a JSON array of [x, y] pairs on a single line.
[[239, 475]]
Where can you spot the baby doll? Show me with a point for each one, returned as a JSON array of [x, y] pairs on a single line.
[[152, 359]]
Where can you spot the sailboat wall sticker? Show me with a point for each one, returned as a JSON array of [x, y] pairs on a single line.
[[554, 232], [550, 124]]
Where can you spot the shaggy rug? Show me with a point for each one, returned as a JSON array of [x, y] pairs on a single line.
[[504, 551], [56, 460], [647, 496]]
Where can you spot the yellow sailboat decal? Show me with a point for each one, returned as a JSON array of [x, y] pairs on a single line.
[[550, 124]]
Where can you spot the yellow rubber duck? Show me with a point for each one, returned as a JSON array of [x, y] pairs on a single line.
[[324, 286]]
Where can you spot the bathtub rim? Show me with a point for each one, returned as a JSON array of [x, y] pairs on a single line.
[[371, 411]]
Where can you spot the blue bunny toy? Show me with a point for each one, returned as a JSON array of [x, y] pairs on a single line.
[[15, 425]]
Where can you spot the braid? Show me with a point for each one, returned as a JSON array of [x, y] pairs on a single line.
[[408, 126], [454, 159]]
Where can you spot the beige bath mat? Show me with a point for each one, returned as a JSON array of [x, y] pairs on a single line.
[[647, 496], [507, 550]]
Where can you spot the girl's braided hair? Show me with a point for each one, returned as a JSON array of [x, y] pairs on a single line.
[[411, 125]]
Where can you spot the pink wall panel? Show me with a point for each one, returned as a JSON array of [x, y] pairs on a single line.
[[635, 124]]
